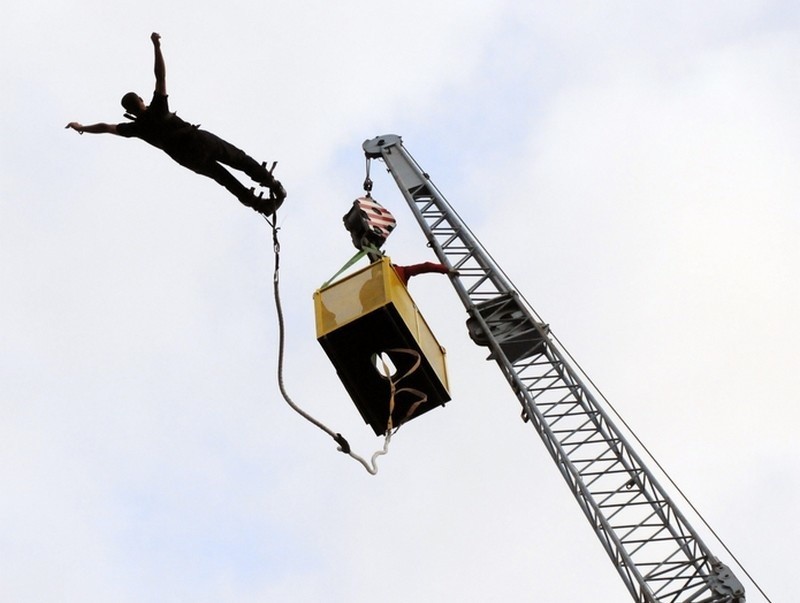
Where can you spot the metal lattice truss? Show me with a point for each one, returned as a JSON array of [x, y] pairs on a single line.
[[655, 550]]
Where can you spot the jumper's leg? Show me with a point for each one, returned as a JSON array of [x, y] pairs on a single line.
[[245, 195], [232, 156]]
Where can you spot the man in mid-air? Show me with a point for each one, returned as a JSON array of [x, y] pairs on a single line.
[[196, 149]]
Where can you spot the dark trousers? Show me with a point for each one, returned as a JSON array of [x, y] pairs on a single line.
[[204, 153]]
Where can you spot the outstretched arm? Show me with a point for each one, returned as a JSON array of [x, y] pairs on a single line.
[[160, 67], [100, 128]]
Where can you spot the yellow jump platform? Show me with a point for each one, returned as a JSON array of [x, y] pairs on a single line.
[[370, 313]]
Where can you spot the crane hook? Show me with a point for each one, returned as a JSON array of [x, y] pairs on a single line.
[[368, 180]]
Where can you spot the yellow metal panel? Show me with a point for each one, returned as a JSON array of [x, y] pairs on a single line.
[[400, 298], [350, 298], [370, 312]]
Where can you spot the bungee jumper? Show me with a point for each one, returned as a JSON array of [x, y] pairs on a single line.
[[196, 149]]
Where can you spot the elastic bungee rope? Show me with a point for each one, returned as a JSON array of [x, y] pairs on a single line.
[[343, 444]]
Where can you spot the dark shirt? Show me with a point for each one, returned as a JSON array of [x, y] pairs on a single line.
[[157, 126]]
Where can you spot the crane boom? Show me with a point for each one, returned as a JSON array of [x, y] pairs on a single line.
[[658, 554]]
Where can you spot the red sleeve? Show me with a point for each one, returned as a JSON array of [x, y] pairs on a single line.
[[401, 274], [406, 272]]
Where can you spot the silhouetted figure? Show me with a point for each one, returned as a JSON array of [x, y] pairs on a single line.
[[196, 149]]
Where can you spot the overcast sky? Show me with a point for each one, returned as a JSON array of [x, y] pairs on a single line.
[[634, 170]]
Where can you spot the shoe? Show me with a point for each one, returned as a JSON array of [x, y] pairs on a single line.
[[277, 192], [261, 204], [265, 177], [266, 206], [248, 199]]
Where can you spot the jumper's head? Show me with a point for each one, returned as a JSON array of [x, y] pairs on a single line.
[[133, 103]]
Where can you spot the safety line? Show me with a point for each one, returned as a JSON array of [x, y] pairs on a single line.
[[366, 250]]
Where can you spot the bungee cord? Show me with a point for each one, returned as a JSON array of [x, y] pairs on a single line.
[[343, 445]]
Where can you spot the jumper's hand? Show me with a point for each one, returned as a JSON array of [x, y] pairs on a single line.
[[156, 39], [75, 126]]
